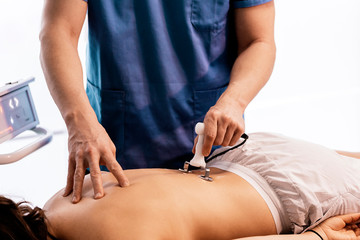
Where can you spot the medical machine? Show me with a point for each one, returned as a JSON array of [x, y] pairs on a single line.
[[17, 115]]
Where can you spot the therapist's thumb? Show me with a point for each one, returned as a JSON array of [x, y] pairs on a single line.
[[209, 136]]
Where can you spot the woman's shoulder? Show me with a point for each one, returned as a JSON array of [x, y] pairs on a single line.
[[61, 213]]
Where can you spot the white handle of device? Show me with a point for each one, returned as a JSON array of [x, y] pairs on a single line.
[[198, 159], [24, 151]]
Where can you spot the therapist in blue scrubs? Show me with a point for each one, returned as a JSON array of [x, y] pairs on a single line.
[[154, 69]]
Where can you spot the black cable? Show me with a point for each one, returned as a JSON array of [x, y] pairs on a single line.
[[244, 136], [315, 233]]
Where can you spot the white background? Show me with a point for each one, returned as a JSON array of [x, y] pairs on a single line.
[[313, 94]]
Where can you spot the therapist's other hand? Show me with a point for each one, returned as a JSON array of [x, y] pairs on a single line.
[[224, 124], [343, 227], [90, 146]]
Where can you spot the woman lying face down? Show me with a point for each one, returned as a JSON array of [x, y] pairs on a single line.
[[271, 185]]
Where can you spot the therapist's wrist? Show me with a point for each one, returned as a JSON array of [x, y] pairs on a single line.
[[231, 100], [74, 119], [234, 94]]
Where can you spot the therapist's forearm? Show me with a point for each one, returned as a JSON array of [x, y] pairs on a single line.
[[63, 72], [251, 71], [224, 122]]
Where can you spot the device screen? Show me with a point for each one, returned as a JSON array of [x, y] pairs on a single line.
[[15, 112]]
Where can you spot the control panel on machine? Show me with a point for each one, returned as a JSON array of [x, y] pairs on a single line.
[[18, 114]]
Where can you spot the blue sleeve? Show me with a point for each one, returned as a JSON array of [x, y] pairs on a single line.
[[247, 3]]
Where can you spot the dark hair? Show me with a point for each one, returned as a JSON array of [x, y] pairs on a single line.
[[21, 221]]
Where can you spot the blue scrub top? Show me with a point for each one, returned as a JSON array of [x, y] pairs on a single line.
[[154, 68]]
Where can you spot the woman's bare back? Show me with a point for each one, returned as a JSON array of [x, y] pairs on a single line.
[[163, 204]]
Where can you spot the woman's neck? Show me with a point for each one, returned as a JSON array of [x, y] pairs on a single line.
[[50, 229]]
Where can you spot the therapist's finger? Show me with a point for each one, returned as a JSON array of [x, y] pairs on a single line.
[[78, 179], [70, 176], [229, 133], [350, 218], [95, 174], [235, 137], [209, 135], [115, 168], [221, 130]]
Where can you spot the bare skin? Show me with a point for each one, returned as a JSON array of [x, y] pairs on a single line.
[[167, 204], [89, 144], [349, 154], [163, 204]]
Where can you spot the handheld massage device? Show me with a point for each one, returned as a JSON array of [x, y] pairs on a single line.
[[199, 160]]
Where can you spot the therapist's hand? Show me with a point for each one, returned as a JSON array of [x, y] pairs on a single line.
[[224, 124], [90, 146]]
